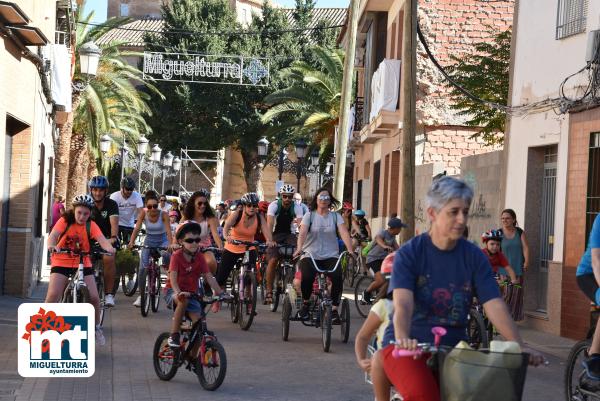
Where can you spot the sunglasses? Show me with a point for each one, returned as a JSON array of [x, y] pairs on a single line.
[[287, 196], [128, 189], [152, 206], [324, 197], [192, 240], [163, 200], [252, 206], [201, 203]]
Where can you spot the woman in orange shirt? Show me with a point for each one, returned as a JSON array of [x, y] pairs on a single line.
[[71, 232], [241, 225]]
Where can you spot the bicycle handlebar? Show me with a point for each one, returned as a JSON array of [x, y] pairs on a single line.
[[158, 248], [73, 252], [247, 243], [325, 271], [205, 300]]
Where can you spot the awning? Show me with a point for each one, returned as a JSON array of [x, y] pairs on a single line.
[[30, 36], [10, 13]]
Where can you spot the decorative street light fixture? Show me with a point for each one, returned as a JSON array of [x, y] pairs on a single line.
[[263, 147], [121, 158], [176, 169], [142, 146], [314, 157], [89, 58], [167, 162], [104, 143], [300, 153], [155, 158]]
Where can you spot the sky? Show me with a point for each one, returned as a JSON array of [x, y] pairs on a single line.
[[99, 6]]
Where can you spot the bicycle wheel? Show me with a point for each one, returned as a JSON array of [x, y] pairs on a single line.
[[476, 330], [129, 283], [144, 293], [235, 277], [100, 288], [155, 296], [574, 372], [277, 290], [348, 266], [326, 327], [345, 318], [362, 306], [286, 313], [211, 366], [247, 308], [165, 358]]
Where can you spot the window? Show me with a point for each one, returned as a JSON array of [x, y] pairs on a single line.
[[593, 187], [359, 194], [571, 17], [375, 191], [124, 10]]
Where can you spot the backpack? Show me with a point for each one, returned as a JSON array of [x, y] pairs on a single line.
[[239, 218], [88, 227], [291, 210], [337, 233]]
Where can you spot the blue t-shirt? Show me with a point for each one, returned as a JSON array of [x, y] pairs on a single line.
[[444, 284], [585, 265]]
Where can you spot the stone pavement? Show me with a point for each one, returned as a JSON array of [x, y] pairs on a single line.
[[260, 365]]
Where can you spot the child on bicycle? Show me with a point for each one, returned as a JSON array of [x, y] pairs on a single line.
[[185, 269], [74, 231], [492, 240]]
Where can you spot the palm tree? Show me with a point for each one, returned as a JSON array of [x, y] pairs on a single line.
[[111, 103], [310, 105]]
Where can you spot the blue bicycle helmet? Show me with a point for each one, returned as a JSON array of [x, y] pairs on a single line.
[[360, 213], [98, 181]]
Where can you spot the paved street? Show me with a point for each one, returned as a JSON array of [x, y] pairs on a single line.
[[260, 365]]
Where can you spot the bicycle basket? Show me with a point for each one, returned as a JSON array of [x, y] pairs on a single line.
[[127, 262], [287, 251], [470, 375]]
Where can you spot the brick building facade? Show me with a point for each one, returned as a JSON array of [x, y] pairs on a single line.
[[451, 28]]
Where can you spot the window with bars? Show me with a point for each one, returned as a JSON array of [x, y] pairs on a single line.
[[375, 192], [593, 186], [571, 17]]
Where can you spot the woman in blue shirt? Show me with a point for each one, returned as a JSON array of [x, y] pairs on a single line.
[[435, 277]]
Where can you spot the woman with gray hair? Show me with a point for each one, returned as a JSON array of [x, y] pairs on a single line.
[[434, 279]]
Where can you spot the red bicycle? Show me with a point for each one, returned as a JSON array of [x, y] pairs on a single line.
[[150, 280]]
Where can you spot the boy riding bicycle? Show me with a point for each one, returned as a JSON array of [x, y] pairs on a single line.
[[492, 240], [185, 269]]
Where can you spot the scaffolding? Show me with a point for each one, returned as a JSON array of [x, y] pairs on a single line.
[[192, 160]]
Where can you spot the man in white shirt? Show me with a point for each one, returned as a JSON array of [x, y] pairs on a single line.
[[163, 205], [130, 204]]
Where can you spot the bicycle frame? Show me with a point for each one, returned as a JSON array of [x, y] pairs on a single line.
[[322, 278]]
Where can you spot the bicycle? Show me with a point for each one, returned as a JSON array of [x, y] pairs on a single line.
[[284, 273], [98, 267], [354, 268], [76, 290], [243, 287], [577, 386], [480, 330], [200, 351], [150, 280], [129, 278], [320, 308]]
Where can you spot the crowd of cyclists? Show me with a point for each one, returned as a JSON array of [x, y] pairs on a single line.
[[429, 281]]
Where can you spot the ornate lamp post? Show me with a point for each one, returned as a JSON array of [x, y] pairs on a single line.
[[123, 151], [300, 154], [176, 168], [142, 146], [167, 162], [89, 57], [155, 158]]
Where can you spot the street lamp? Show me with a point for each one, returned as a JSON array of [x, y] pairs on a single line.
[[167, 162], [142, 146], [300, 153], [176, 168], [156, 151], [314, 157], [89, 57], [104, 143], [263, 147]]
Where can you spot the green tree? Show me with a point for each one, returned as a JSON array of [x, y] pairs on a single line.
[[206, 116], [110, 103], [309, 106], [485, 73]]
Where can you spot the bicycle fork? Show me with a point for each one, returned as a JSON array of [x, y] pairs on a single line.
[[79, 283]]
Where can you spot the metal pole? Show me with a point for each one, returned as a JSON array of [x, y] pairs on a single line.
[[140, 172], [342, 138], [280, 164], [123, 158], [162, 187], [298, 173], [407, 145], [153, 173], [180, 170]]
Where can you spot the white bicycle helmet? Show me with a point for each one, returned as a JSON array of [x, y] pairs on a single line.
[[251, 198], [83, 200], [287, 189]]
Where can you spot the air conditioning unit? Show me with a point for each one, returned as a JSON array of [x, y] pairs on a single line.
[[593, 47]]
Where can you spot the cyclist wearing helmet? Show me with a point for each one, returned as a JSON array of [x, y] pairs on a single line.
[[105, 214], [197, 209], [346, 212], [281, 215], [491, 241], [360, 225], [73, 231], [385, 242], [241, 225], [130, 205]]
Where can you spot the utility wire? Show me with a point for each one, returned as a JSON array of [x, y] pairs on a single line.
[[222, 33]]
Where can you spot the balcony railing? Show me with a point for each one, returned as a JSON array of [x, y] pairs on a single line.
[[359, 114]]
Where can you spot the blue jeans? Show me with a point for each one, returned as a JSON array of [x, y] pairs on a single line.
[[155, 241]]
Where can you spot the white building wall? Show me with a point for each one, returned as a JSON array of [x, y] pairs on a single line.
[[541, 64]]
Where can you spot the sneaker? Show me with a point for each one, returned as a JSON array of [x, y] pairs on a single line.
[[100, 340], [366, 297], [174, 341], [138, 302], [109, 300], [335, 317], [303, 312], [592, 367]]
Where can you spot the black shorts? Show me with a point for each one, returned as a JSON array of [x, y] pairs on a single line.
[[587, 283], [125, 234], [375, 265], [70, 271], [282, 239]]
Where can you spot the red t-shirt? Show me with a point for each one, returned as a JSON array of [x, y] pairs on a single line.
[[188, 273], [75, 238], [497, 260]]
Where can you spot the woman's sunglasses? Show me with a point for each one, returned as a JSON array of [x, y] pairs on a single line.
[[324, 197], [201, 203], [192, 240], [152, 206]]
